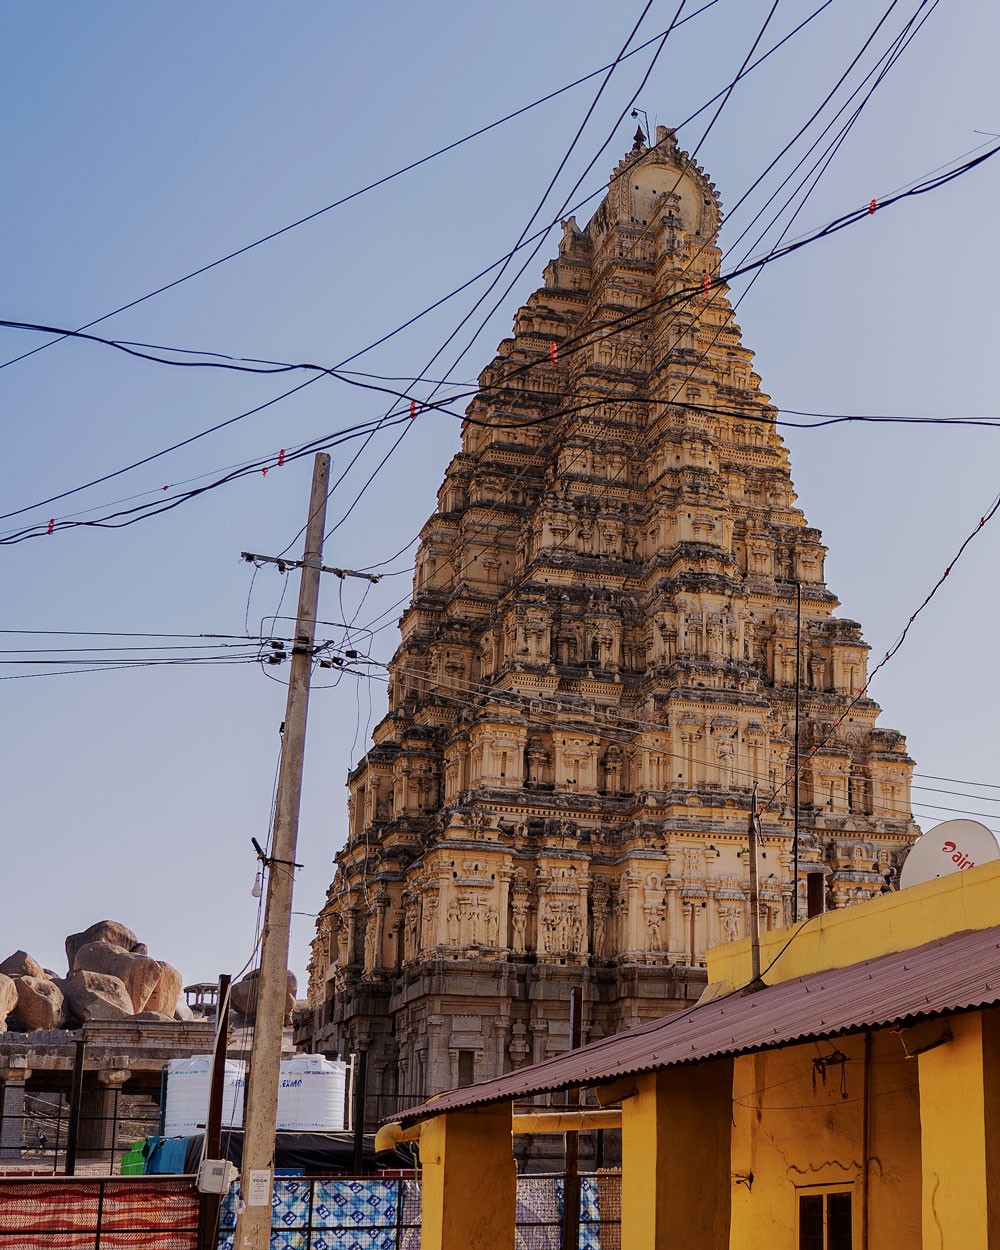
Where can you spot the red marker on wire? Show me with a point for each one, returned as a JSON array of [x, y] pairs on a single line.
[[707, 283], [872, 207], [413, 408], [281, 457], [263, 471], [553, 353], [51, 526]]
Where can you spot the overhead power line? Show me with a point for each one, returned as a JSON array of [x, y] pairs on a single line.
[[124, 517], [630, 320], [899, 44], [156, 455], [346, 199], [897, 50], [986, 785], [62, 333], [587, 338], [575, 208], [125, 664], [521, 239], [501, 261], [111, 633], [987, 516]]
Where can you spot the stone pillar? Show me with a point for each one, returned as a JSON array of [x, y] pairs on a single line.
[[14, 1076], [381, 907], [960, 1135], [438, 1071], [636, 940], [711, 919], [675, 1158], [584, 948], [499, 1049], [98, 1106], [443, 898], [350, 919], [539, 1038], [466, 1153], [674, 943], [504, 940], [691, 914]]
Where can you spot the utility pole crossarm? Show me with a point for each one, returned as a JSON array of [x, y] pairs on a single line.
[[283, 564]]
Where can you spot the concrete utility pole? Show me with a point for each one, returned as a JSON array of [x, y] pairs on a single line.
[[253, 1225]]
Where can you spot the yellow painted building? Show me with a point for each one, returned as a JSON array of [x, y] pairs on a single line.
[[851, 1103]]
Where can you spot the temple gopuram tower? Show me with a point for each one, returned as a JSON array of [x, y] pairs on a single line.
[[597, 666]]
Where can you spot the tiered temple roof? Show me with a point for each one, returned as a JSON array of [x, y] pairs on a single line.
[[597, 667]]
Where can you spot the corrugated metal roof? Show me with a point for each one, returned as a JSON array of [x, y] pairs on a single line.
[[954, 973]]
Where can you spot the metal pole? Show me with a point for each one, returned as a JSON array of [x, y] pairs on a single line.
[[213, 1126], [161, 1123], [75, 1103], [114, 1129], [795, 774], [360, 1093], [55, 1152], [209, 1204], [754, 893], [571, 1184], [253, 1225]]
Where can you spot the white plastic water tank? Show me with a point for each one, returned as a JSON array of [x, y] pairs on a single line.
[[311, 1094], [188, 1087]]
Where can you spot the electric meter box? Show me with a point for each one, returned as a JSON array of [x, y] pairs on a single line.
[[215, 1176]]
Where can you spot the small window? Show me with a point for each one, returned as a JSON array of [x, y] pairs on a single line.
[[825, 1221]]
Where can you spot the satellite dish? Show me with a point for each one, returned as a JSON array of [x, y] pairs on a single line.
[[947, 848]]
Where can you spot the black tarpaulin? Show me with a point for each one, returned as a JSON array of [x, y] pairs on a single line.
[[311, 1153]]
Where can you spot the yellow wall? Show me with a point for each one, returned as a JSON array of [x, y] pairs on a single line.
[[960, 1122], [791, 1134], [675, 1159], [894, 922], [468, 1181]]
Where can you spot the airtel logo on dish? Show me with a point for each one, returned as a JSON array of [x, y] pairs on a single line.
[[957, 856]]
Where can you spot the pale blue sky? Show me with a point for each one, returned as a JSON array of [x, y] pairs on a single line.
[[141, 141]]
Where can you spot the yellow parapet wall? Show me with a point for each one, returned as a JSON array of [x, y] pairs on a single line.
[[894, 922]]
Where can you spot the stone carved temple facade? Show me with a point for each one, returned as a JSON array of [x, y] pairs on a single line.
[[597, 666]]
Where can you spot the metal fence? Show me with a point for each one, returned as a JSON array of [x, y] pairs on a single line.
[[540, 1212], [35, 1135], [383, 1213], [98, 1214], [308, 1213], [342, 1213]]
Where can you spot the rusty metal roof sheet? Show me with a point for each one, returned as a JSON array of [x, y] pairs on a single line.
[[954, 973]]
